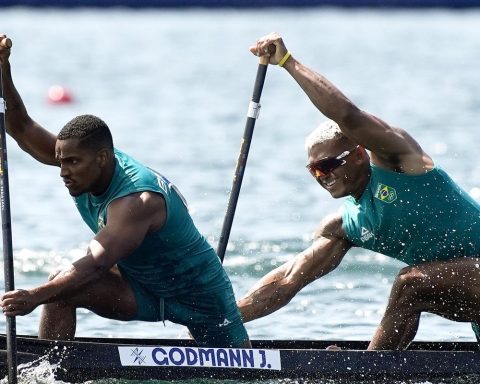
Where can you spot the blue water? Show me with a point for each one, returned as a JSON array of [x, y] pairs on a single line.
[[174, 86]]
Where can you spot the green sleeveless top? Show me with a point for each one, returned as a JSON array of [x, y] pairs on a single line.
[[170, 261], [413, 218]]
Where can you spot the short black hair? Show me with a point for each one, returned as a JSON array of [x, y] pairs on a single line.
[[91, 130]]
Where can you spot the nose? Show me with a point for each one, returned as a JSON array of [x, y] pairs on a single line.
[[318, 174], [64, 171], [324, 175]]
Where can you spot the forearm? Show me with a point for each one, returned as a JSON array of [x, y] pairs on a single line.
[[278, 287], [326, 97], [271, 293], [29, 135], [16, 116], [68, 281]]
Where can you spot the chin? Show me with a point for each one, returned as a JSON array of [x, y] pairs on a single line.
[[74, 193], [338, 194]]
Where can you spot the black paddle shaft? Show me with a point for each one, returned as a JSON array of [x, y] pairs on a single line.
[[7, 241], [252, 115]]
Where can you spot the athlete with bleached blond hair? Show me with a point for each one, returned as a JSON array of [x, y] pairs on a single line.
[[399, 202]]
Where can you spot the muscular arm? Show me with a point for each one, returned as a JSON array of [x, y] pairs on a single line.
[[29, 135], [129, 219], [278, 287], [392, 148]]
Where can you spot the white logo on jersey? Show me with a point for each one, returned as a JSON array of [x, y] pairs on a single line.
[[225, 323], [366, 234]]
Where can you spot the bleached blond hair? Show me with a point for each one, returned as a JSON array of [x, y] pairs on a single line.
[[328, 130]]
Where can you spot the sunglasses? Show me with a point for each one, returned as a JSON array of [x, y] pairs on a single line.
[[325, 166]]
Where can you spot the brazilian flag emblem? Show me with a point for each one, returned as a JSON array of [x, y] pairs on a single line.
[[385, 193]]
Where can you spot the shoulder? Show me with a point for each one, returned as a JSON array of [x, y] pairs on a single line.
[[144, 200], [133, 171], [407, 157], [139, 206], [132, 176]]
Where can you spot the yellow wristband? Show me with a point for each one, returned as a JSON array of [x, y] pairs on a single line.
[[284, 59]]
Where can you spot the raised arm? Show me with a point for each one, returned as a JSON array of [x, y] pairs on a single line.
[[29, 135], [129, 219], [392, 148], [278, 287]]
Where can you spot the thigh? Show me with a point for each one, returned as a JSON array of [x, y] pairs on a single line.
[[228, 333], [212, 317], [110, 296], [447, 288]]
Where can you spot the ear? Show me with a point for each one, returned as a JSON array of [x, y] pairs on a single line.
[[102, 157]]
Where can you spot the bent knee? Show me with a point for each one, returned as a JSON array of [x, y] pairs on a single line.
[[410, 283], [410, 277]]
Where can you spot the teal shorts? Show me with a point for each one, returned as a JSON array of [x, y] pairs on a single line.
[[211, 314]]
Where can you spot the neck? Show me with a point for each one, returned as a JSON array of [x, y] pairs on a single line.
[[362, 182], [105, 178]]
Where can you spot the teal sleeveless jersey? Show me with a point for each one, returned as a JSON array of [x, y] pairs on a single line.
[[413, 218], [174, 259]]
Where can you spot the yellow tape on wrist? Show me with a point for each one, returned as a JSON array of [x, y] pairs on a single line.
[[284, 59]]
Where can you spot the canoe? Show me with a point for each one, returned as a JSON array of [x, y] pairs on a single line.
[[179, 359]]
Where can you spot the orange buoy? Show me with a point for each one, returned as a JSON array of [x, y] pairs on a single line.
[[59, 95]]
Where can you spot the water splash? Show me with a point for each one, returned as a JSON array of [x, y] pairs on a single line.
[[42, 370], [39, 371]]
